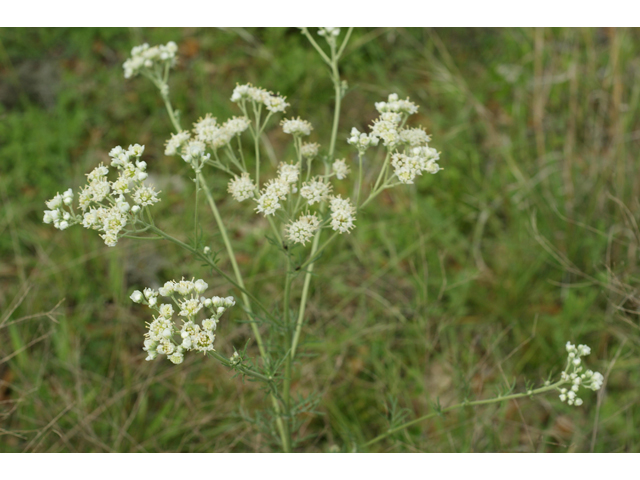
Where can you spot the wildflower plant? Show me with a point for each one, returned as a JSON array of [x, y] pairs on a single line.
[[299, 201]]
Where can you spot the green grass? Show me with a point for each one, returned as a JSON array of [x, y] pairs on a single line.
[[457, 286]]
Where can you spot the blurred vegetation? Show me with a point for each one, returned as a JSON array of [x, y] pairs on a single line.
[[457, 286]]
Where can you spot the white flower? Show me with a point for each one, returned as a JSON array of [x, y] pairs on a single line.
[[204, 341], [302, 230], [277, 187], [160, 329], [236, 125], [166, 310], [276, 103], [315, 191], [136, 296], [144, 57], [145, 195], [296, 126], [200, 286], [135, 150], [268, 203], [342, 214], [309, 150], [273, 103], [190, 307], [329, 31], [340, 168], [596, 381], [184, 287], [362, 141], [193, 151], [288, 173], [204, 126], [176, 358], [210, 324], [241, 92], [235, 359], [414, 137], [176, 143], [159, 338], [241, 188], [397, 106], [166, 347], [583, 350], [149, 293], [167, 289], [387, 130]]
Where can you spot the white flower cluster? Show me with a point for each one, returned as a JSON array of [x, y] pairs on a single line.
[[577, 377], [59, 215], [206, 132], [302, 230], [161, 337], [289, 173], [277, 189], [420, 159], [107, 206], [146, 57], [411, 154], [309, 150], [257, 95], [176, 142], [393, 104], [315, 191], [329, 31], [296, 127], [341, 169], [193, 152], [270, 196], [342, 214], [242, 187], [362, 141]]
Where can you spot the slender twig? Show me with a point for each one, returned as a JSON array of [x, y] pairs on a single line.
[[498, 399]]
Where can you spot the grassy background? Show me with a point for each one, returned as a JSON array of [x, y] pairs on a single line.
[[458, 286]]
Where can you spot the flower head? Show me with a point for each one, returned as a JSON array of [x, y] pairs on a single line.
[[106, 205], [340, 168], [309, 150], [144, 57], [302, 230], [342, 214], [241, 188], [296, 127], [574, 374], [362, 141], [164, 337]]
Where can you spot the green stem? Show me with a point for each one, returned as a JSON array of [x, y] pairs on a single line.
[[382, 171], [172, 115], [335, 76], [274, 400], [232, 258], [287, 376], [359, 179], [464, 404], [344, 42], [245, 370], [305, 295], [306, 33], [284, 436], [338, 92]]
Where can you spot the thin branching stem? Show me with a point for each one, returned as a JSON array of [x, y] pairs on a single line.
[[498, 399]]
